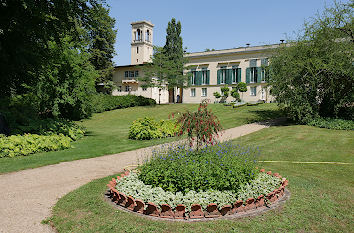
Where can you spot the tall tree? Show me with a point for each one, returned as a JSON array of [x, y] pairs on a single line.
[[173, 50], [312, 76], [168, 63], [101, 46]]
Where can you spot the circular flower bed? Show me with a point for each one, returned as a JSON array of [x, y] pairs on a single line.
[[131, 193], [182, 182]]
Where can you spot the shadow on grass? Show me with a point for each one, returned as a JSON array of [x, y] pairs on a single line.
[[271, 118]]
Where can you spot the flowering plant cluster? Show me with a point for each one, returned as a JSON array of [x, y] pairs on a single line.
[[131, 185], [201, 126], [179, 168]]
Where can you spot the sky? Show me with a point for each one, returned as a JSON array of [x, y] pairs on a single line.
[[218, 24]]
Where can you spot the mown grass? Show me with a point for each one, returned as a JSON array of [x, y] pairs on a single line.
[[108, 132], [321, 194]]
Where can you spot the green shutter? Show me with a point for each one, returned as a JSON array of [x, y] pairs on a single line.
[[198, 80], [248, 71], [218, 76], [228, 79], [238, 75], [259, 74], [208, 77]]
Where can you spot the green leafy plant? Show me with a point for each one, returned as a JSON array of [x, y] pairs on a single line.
[[217, 95], [131, 185], [235, 95], [242, 87], [331, 123], [103, 102], [202, 126], [179, 168], [17, 145], [147, 128], [225, 91]]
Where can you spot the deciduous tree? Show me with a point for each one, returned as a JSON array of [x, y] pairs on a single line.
[[312, 76]]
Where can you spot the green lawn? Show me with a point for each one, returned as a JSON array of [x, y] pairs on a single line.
[[108, 132], [321, 194]]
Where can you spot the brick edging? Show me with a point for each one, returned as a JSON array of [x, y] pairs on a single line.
[[239, 208]]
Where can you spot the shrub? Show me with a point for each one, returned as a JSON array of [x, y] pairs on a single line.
[[104, 102], [22, 118], [17, 145], [202, 125], [332, 123], [147, 128], [217, 95], [219, 167], [235, 95], [131, 185]]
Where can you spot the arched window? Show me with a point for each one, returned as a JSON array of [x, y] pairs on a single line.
[[138, 34], [147, 35]]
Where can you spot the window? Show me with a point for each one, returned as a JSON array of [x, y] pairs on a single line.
[[136, 73], [144, 88], [253, 91], [223, 75], [147, 35], [263, 94], [127, 88], [204, 76], [193, 77], [204, 92], [263, 76], [235, 75], [138, 34], [126, 74], [119, 88], [131, 74], [192, 92], [137, 49], [253, 74], [253, 62]]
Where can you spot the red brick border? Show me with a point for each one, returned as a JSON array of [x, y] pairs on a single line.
[[212, 210]]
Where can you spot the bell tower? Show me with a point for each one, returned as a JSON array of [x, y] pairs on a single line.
[[141, 46]]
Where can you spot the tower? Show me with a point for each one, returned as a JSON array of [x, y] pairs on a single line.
[[141, 46]]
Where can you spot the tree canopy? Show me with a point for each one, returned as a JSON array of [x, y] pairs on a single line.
[[55, 51], [313, 75]]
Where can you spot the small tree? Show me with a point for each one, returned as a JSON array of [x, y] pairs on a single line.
[[202, 127], [225, 93], [242, 87], [235, 95], [217, 95]]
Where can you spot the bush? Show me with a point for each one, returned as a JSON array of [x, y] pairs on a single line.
[[22, 118], [220, 167], [332, 123], [148, 128], [102, 102], [17, 145]]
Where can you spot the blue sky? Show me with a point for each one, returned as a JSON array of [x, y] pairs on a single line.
[[217, 24]]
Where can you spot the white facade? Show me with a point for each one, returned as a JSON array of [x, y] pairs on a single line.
[[212, 70]]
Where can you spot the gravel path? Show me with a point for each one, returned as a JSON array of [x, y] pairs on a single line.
[[26, 197]]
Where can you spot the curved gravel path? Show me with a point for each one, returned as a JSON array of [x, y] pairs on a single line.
[[26, 197]]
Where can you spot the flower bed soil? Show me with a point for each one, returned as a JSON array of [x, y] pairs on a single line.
[[250, 207]]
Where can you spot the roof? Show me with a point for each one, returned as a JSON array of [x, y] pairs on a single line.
[[233, 50]]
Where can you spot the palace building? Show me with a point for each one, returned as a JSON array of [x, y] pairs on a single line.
[[211, 70]]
